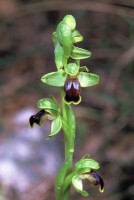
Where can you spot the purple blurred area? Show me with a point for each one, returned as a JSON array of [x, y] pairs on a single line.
[[105, 117]]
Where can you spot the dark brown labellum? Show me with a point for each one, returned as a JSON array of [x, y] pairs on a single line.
[[72, 90], [37, 118], [97, 180]]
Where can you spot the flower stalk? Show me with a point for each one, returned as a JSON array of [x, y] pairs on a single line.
[[69, 136]]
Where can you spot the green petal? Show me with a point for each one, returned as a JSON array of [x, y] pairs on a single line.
[[79, 53], [48, 104], [77, 183], [70, 21], [86, 165], [53, 114], [77, 37], [84, 69], [88, 79], [54, 78], [59, 54], [72, 69], [55, 127]]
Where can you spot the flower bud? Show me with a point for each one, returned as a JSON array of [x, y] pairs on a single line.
[[70, 21]]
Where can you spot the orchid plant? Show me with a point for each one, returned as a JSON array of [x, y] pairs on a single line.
[[70, 77]]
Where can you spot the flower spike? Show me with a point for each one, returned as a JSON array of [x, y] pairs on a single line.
[[70, 77]]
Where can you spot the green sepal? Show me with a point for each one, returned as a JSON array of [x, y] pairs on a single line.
[[86, 165], [84, 69], [70, 21], [53, 114], [59, 33], [84, 170], [54, 37], [88, 79], [54, 78], [77, 183], [64, 36], [55, 127], [59, 54], [72, 69], [48, 104], [77, 37], [79, 53]]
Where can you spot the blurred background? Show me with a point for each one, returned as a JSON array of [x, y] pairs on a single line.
[[105, 117]]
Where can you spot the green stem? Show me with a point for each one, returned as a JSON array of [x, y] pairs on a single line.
[[68, 126]]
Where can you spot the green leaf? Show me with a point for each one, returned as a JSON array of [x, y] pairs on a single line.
[[77, 37], [54, 78], [77, 183], [70, 21], [79, 53], [55, 127], [70, 119], [59, 54], [86, 165], [72, 69], [64, 36], [48, 104], [88, 79]]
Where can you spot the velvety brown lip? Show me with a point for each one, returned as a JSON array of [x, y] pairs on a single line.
[[72, 90], [97, 180], [36, 118]]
